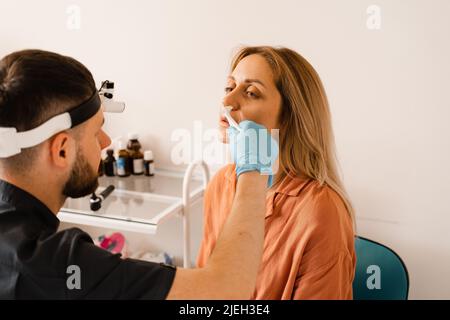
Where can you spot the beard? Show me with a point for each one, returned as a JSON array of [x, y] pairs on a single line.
[[83, 180]]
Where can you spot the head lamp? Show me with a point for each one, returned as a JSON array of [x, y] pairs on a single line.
[[12, 142]]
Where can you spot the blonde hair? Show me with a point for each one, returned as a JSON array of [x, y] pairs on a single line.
[[306, 136]]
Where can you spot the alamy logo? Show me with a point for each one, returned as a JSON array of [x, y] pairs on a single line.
[[373, 21], [73, 21], [74, 278], [374, 281]]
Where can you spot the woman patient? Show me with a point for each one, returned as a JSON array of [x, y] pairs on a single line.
[[308, 248]]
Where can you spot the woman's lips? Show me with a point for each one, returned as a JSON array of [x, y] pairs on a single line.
[[224, 122]]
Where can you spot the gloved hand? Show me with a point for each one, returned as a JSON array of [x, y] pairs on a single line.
[[253, 149]]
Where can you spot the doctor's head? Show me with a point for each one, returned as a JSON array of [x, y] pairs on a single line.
[[279, 88], [36, 86]]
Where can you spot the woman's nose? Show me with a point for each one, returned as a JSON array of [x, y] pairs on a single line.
[[230, 99]]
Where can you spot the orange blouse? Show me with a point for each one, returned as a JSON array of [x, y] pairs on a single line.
[[309, 239]]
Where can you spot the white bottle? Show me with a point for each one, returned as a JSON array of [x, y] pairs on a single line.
[[149, 165]]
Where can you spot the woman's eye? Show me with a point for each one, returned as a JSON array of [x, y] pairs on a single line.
[[251, 94], [228, 89]]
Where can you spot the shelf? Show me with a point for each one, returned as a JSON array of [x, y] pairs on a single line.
[[167, 183], [138, 203]]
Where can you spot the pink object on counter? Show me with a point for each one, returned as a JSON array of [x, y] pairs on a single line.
[[115, 243]]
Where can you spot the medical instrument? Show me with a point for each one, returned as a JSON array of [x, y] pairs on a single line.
[[12, 142], [96, 201], [106, 93], [230, 119]]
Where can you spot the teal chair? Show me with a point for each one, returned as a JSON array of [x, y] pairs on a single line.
[[380, 273]]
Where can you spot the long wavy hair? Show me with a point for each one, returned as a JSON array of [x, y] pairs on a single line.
[[307, 146]]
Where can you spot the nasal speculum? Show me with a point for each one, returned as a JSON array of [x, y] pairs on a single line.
[[230, 119]]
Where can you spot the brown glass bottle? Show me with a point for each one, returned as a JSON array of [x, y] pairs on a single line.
[[109, 163], [136, 156]]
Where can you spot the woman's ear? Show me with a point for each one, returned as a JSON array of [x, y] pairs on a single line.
[[61, 147]]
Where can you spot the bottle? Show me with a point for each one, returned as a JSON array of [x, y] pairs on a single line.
[[137, 157], [123, 160], [110, 163], [149, 163]]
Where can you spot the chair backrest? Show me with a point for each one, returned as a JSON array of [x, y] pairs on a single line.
[[380, 273]]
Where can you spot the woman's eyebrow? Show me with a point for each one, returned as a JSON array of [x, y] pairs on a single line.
[[249, 81]]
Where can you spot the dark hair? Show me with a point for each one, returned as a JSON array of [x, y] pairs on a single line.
[[37, 85]]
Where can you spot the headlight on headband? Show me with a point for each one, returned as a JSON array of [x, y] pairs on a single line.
[[12, 142]]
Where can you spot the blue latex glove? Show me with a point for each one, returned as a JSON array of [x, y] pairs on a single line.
[[252, 149]]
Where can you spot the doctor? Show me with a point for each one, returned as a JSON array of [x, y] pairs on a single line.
[[51, 136]]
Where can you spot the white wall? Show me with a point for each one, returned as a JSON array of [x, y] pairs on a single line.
[[388, 92]]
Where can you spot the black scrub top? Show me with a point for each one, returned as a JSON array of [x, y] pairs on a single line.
[[36, 260]]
